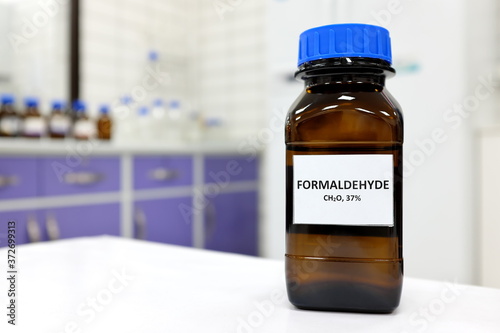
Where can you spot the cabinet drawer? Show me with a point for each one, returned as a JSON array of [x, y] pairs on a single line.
[[230, 168], [80, 221], [157, 171], [28, 227], [88, 175], [231, 223], [18, 177], [164, 220]]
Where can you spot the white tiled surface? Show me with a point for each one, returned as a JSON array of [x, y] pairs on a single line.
[[217, 65], [232, 64], [117, 37], [39, 60]]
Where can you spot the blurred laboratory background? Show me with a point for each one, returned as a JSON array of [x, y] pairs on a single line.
[[163, 120]]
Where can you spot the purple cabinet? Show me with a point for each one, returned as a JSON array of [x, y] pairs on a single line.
[[59, 223], [164, 220], [159, 171], [231, 223], [226, 169], [67, 175], [79, 221], [28, 228], [18, 177]]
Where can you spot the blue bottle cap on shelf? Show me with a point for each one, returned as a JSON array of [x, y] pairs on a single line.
[[31, 102], [345, 40], [153, 55], [58, 104], [79, 106], [213, 122], [8, 99], [143, 111], [158, 102], [174, 104], [104, 109], [126, 99]]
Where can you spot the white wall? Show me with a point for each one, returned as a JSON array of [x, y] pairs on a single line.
[[214, 56], [37, 41], [490, 213], [430, 54], [117, 37], [5, 48], [231, 65]]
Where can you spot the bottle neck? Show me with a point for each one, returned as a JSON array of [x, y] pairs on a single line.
[[31, 110], [351, 74], [345, 82]]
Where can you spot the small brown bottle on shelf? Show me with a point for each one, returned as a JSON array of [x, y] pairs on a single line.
[[344, 138], [33, 125], [59, 121], [104, 124], [10, 121]]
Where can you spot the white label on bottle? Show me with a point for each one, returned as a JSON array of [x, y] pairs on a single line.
[[354, 190], [60, 125], [83, 129], [34, 126], [9, 125]]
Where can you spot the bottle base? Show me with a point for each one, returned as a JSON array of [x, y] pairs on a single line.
[[338, 284]]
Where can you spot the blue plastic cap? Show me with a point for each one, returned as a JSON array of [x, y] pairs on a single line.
[[174, 104], [126, 99], [158, 102], [78, 106], [31, 102], [8, 99], [345, 40], [213, 122], [143, 111], [153, 55], [104, 109], [57, 104]]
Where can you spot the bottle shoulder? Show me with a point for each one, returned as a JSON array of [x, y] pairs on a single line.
[[345, 116]]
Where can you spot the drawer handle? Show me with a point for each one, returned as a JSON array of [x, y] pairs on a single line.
[[210, 221], [82, 178], [6, 181], [34, 233], [163, 174], [140, 224], [52, 227]]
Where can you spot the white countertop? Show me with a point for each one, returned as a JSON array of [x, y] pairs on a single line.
[[46, 146], [109, 284]]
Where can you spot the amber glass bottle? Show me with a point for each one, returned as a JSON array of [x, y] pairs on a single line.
[[104, 124], [344, 137], [10, 122]]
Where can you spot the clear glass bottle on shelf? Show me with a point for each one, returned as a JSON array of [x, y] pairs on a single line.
[[10, 121], [214, 129], [193, 127], [124, 120], [59, 124], [144, 124], [176, 123], [33, 124], [83, 126], [159, 123]]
